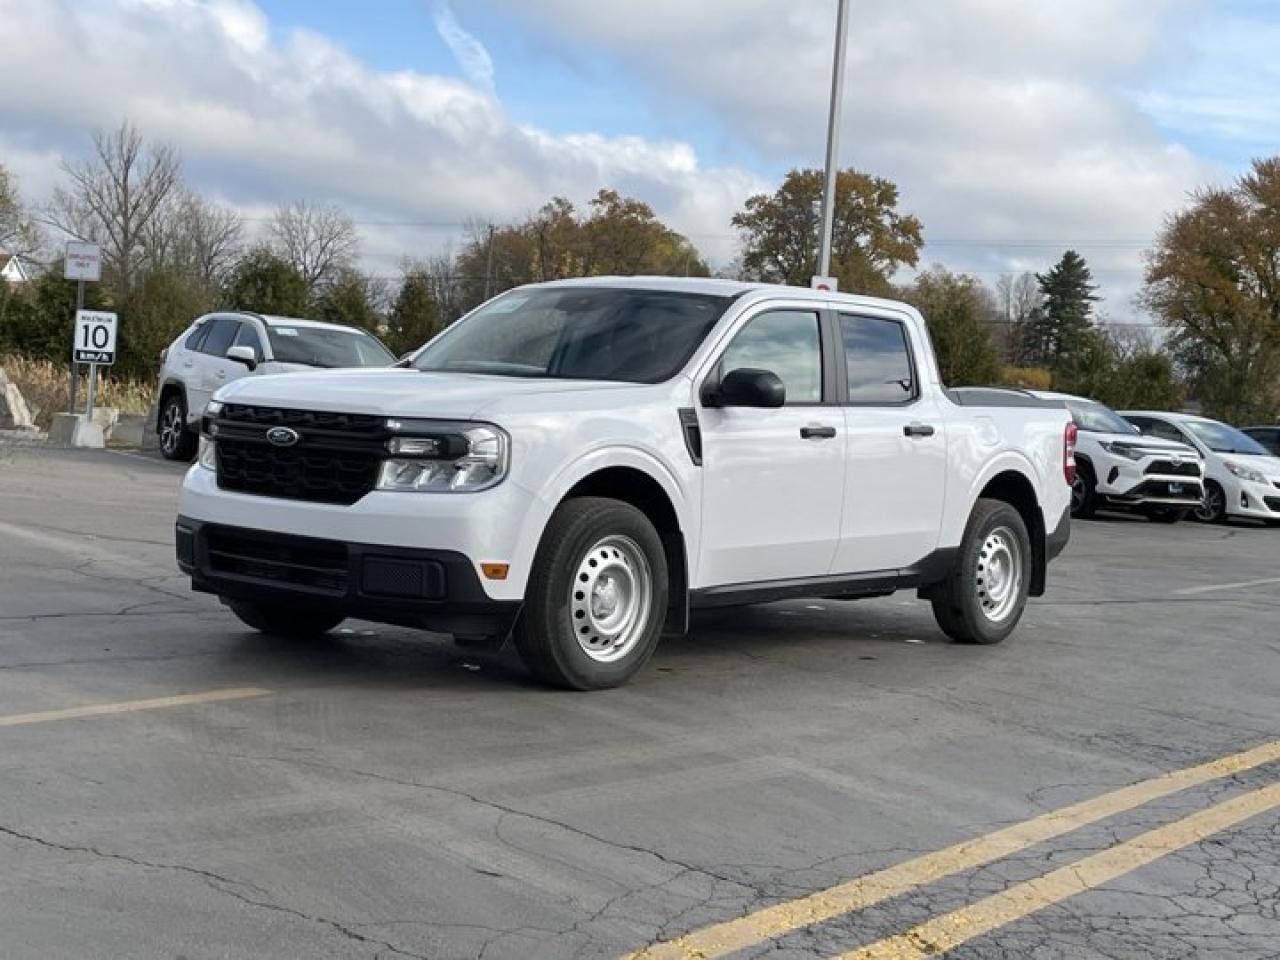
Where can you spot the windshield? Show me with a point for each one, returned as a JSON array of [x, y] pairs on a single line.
[[1095, 418], [326, 347], [579, 333], [1220, 438]]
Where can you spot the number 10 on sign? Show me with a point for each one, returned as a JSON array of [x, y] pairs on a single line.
[[95, 337]]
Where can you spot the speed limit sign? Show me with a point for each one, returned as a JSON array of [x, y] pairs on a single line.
[[95, 337]]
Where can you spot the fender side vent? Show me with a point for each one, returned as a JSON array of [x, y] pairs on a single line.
[[692, 434]]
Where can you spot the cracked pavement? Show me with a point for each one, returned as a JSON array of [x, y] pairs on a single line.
[[398, 797]]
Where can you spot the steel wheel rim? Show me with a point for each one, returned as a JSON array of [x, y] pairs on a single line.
[[1211, 506], [611, 599], [998, 583], [171, 428]]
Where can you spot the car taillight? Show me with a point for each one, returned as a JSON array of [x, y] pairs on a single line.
[[1069, 453], [164, 355]]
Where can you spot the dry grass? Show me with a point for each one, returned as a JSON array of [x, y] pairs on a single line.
[[44, 386]]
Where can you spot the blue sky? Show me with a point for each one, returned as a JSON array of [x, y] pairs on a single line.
[[1013, 128]]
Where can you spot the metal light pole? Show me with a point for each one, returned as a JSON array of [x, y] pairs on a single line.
[[833, 139]]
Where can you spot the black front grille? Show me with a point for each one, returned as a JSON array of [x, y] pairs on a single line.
[[335, 459], [1273, 503], [1167, 468], [318, 565]]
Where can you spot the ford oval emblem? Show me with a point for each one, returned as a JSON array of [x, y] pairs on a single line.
[[282, 436]]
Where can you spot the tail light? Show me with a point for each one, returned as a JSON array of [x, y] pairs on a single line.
[[164, 355], [1069, 453]]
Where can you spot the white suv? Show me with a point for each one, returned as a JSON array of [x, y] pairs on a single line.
[[1118, 466], [221, 347], [1242, 478]]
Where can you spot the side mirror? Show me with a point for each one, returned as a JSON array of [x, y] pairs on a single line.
[[244, 354], [747, 387]]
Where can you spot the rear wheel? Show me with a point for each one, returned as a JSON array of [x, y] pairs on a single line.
[[285, 620], [597, 596], [1084, 496], [1213, 508], [982, 599], [176, 441], [1165, 514]]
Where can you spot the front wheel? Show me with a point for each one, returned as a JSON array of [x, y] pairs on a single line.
[[1084, 495], [285, 621], [1213, 508], [982, 600], [597, 596]]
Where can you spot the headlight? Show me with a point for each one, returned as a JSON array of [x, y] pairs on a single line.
[[1122, 450], [444, 457], [1244, 473], [212, 408], [208, 455]]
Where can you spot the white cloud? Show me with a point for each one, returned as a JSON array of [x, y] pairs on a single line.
[[470, 53], [1006, 123], [262, 118]]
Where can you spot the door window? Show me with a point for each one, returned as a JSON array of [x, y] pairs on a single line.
[[222, 330], [1164, 431], [877, 360], [788, 343]]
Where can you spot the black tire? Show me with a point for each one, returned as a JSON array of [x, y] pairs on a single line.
[[1214, 507], [1165, 514], [1084, 494], [285, 621], [547, 632], [960, 604], [176, 441]]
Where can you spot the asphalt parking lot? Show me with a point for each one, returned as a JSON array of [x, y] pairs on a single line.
[[796, 780]]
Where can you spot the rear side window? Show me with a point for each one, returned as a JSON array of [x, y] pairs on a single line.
[[877, 360], [786, 342], [222, 330]]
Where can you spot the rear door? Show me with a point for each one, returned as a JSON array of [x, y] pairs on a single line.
[[895, 478], [773, 479]]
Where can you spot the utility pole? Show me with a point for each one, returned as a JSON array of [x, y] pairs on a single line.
[[833, 139]]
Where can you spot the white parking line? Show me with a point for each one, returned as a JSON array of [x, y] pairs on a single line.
[[1214, 588]]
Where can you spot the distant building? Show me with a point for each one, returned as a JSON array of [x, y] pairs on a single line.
[[12, 270]]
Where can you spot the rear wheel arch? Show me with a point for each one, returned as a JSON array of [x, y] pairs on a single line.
[[1017, 490]]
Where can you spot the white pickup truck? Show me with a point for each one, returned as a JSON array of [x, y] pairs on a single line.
[[577, 465]]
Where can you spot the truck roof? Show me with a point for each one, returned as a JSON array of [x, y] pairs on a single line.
[[715, 286]]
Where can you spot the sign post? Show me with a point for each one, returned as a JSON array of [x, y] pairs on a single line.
[[95, 344], [83, 262]]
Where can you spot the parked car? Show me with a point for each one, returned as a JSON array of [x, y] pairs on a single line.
[[222, 347], [1116, 466], [1269, 437], [577, 464], [1242, 479]]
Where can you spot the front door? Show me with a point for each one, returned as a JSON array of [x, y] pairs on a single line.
[[897, 450], [773, 479]]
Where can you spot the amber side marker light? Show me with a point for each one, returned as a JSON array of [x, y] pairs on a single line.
[[495, 571]]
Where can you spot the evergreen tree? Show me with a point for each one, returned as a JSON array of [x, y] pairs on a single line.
[[415, 316], [267, 283], [1060, 334], [350, 298]]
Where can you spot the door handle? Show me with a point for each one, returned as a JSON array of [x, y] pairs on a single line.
[[918, 430], [817, 433]]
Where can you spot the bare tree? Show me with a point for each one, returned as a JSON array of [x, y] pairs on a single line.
[[1018, 297], [114, 198], [199, 237], [318, 239], [18, 234]]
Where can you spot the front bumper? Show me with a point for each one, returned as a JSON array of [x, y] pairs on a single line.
[[1160, 491], [1248, 498], [429, 589]]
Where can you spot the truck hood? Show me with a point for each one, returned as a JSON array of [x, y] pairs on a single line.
[[395, 392]]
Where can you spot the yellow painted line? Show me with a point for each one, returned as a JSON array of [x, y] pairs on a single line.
[[132, 706], [960, 926], [721, 939]]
